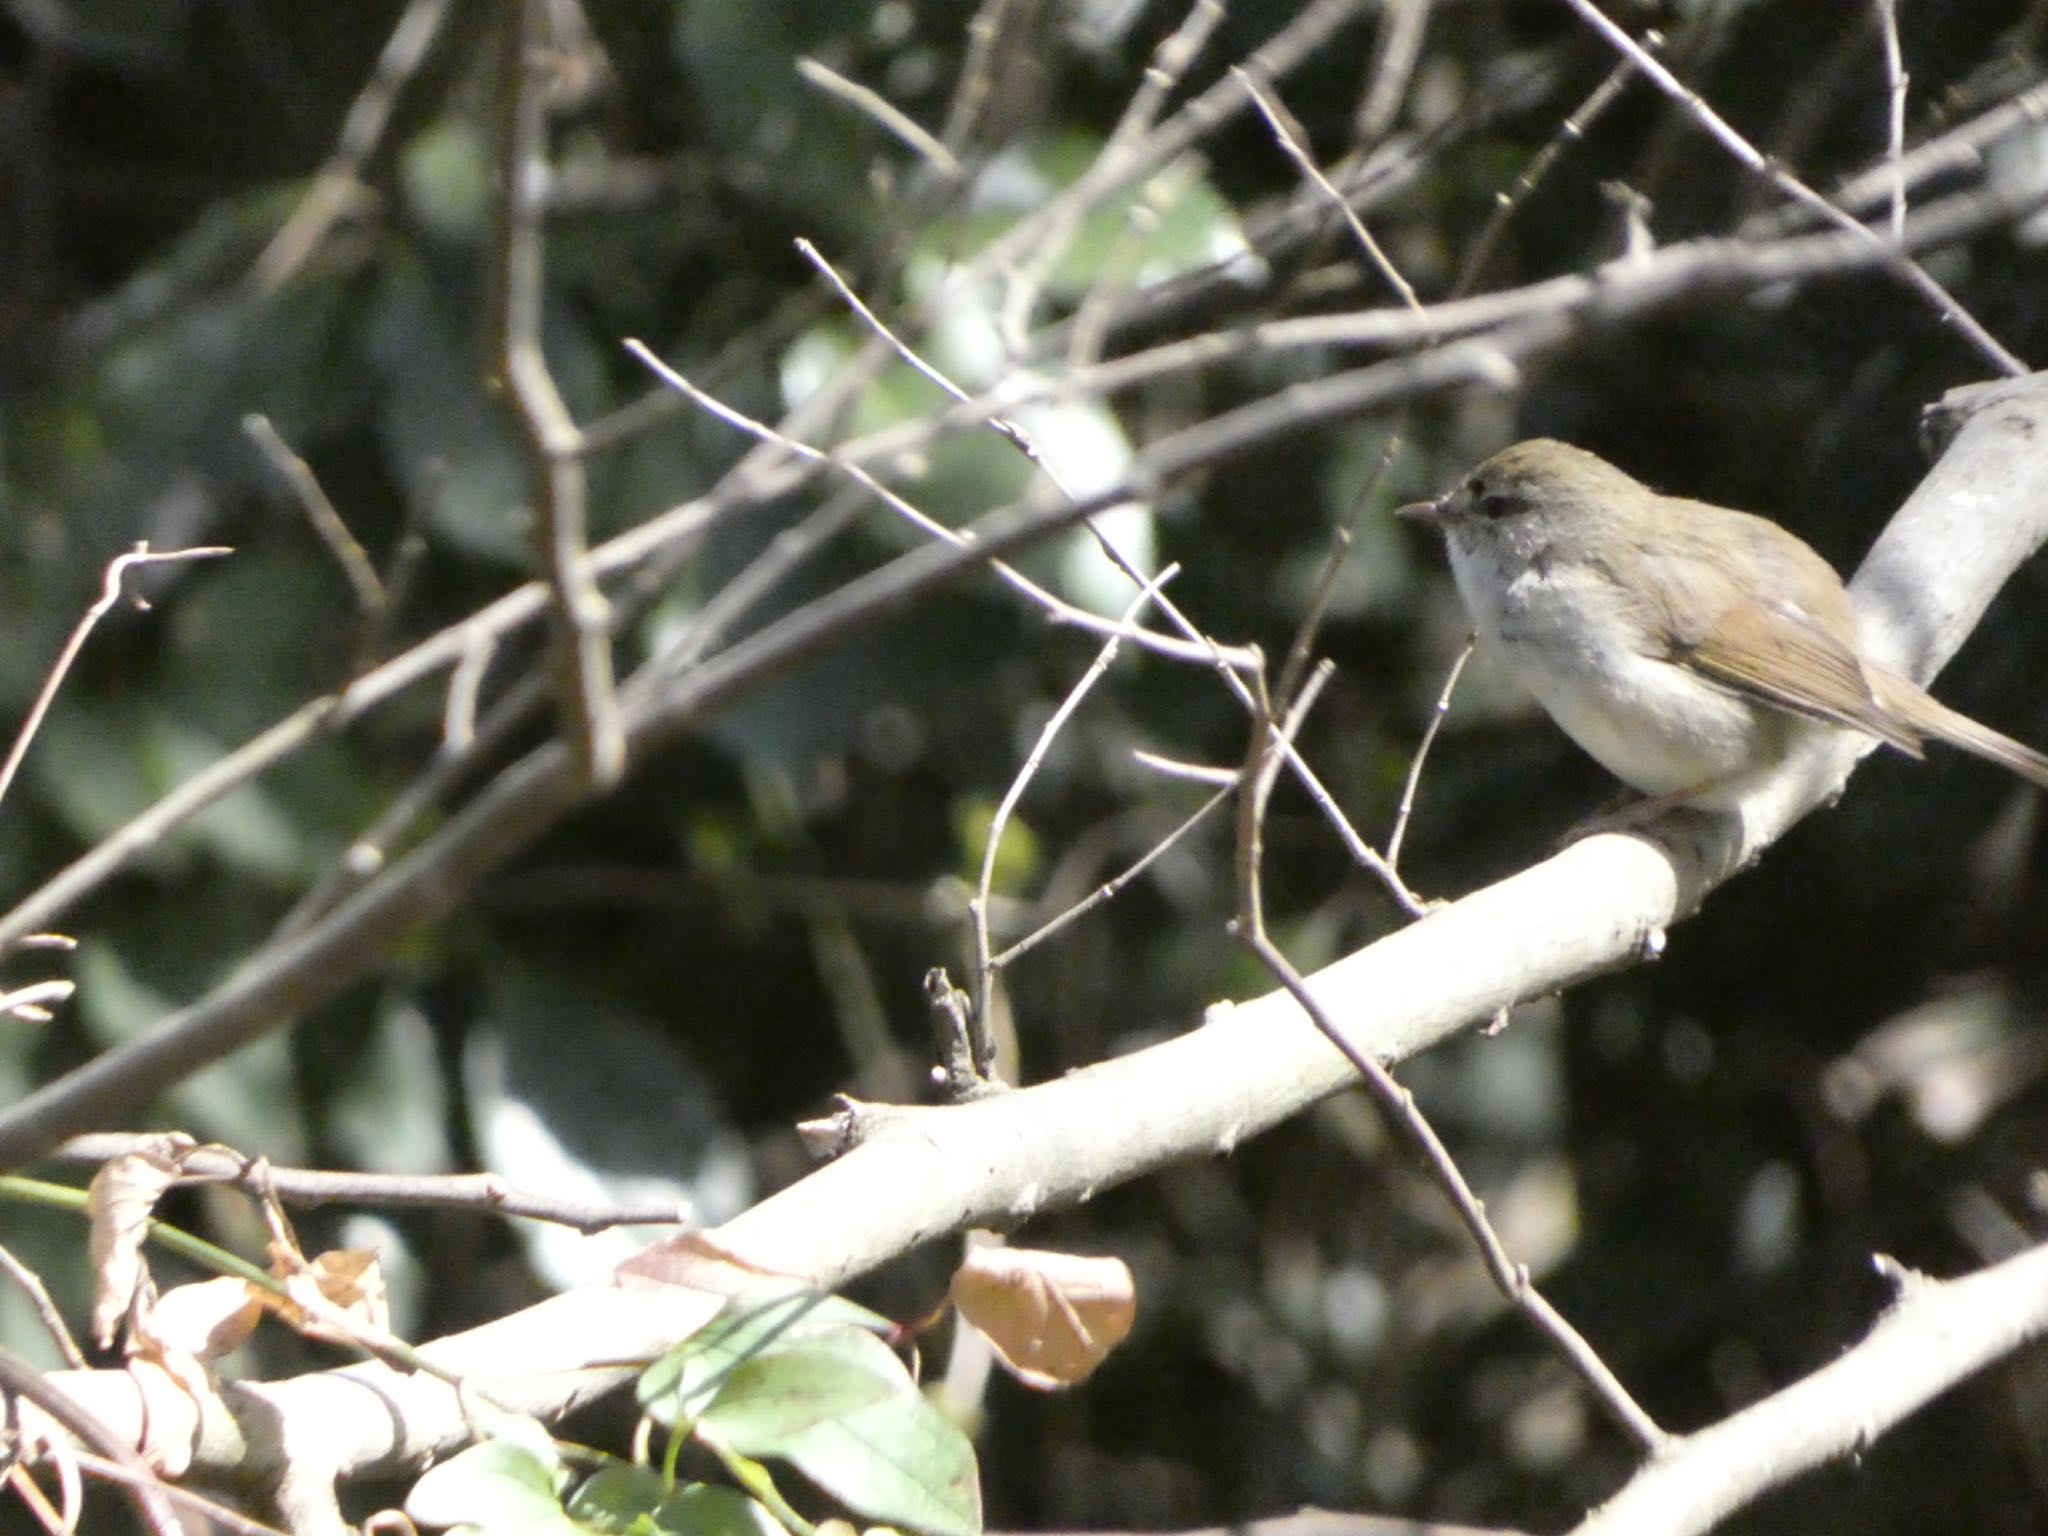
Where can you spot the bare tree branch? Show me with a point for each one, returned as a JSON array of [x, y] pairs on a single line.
[[583, 653], [1934, 1335]]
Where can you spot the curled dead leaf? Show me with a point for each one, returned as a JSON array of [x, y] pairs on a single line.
[[201, 1321], [119, 1202], [695, 1262], [337, 1296], [1051, 1318]]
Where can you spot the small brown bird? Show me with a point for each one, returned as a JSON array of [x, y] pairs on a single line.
[[1683, 645]]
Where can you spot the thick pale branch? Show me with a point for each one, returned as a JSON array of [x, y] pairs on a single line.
[[1937, 1334]]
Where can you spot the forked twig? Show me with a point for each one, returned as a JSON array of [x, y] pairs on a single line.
[[1754, 160], [977, 909], [1405, 1117], [583, 648], [110, 594], [1109, 888]]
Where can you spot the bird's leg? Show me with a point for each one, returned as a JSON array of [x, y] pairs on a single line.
[[1631, 815]]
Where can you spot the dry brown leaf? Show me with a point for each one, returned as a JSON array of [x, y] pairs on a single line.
[[203, 1320], [338, 1296], [693, 1261], [119, 1203], [1051, 1318]]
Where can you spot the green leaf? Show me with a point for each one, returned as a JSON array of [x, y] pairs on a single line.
[[698, 1509], [803, 1379], [619, 1498], [899, 1461], [497, 1487], [713, 1511], [771, 1398], [681, 1384]]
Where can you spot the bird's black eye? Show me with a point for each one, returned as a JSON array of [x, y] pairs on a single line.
[[1494, 502]]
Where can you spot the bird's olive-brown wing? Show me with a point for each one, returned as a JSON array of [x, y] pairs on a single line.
[[1749, 606]]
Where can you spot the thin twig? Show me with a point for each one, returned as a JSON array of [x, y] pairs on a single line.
[[1017, 437], [878, 109], [1303, 643], [146, 1490], [38, 1295], [313, 501], [1895, 109], [1055, 607], [1174, 56], [1306, 33], [340, 181], [1024, 274], [216, 1515], [110, 594], [1960, 149], [1571, 131], [786, 552], [1270, 739], [1406, 809], [1229, 673], [1683, 272], [1512, 1278], [1107, 891], [313, 1186], [31, 1004], [467, 740], [984, 962], [1402, 1113], [465, 686], [1170, 62], [971, 92], [582, 651], [1188, 773], [1395, 52], [1288, 137], [903, 349], [1945, 304]]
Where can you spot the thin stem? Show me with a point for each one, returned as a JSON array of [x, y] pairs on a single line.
[[1915, 276], [1406, 809], [582, 653], [984, 962], [110, 594]]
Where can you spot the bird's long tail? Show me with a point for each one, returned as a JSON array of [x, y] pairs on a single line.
[[1921, 711]]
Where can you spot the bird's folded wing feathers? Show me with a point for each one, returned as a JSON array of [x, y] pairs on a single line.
[[1772, 650]]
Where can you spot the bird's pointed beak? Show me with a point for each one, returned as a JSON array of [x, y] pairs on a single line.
[[1429, 512]]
